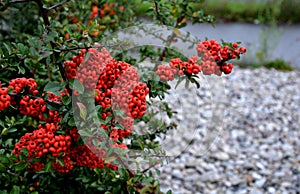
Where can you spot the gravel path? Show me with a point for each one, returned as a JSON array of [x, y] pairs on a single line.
[[247, 140]]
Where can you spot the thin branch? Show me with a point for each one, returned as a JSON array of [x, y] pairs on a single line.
[[57, 5], [151, 166], [5, 67], [44, 12], [19, 176], [88, 47], [159, 17], [131, 173], [77, 48], [35, 97], [173, 35]]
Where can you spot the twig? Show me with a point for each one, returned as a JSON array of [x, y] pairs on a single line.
[[35, 97], [173, 35], [158, 14], [57, 5], [44, 12], [131, 173], [5, 67], [11, 173], [151, 166], [88, 47], [78, 48]]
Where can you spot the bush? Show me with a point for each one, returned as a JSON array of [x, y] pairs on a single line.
[[68, 104]]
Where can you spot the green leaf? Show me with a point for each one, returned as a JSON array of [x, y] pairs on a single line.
[[157, 172], [4, 131], [24, 151], [53, 87], [72, 122], [11, 130], [187, 84], [21, 166], [76, 85], [179, 81], [2, 168], [7, 48], [66, 100], [33, 51], [82, 110], [21, 69], [53, 106], [61, 162], [85, 133], [4, 159], [51, 36], [118, 126], [48, 166], [169, 192], [15, 190]]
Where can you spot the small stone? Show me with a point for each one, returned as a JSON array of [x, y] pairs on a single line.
[[210, 177], [249, 178], [286, 184], [271, 190], [177, 173], [221, 156], [260, 182], [256, 176], [255, 191], [260, 165]]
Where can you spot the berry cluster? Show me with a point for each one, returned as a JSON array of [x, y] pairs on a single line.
[[37, 166], [214, 56], [5, 99], [20, 84], [213, 61], [117, 86], [87, 71], [24, 92], [85, 157], [67, 166], [106, 9], [179, 68], [43, 141]]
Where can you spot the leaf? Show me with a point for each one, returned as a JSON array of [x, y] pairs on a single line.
[[60, 162], [7, 48], [4, 159], [179, 81], [15, 190], [11, 130], [71, 122], [21, 69], [157, 172], [118, 126], [33, 52], [66, 100], [53, 87], [76, 85], [82, 110], [24, 151], [53, 106], [20, 166], [169, 192], [187, 84], [176, 31], [51, 36], [48, 166], [85, 133], [4, 131]]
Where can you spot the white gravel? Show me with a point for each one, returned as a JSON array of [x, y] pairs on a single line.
[[243, 137]]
